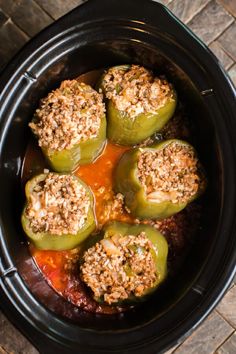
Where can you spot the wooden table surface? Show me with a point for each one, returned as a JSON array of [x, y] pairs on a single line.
[[214, 22]]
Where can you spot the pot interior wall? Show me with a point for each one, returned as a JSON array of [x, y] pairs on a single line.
[[70, 65]]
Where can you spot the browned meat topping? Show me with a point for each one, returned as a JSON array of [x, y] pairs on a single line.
[[170, 174], [58, 205], [135, 90], [118, 267], [68, 115]]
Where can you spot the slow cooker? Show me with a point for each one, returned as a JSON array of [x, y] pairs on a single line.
[[98, 34]]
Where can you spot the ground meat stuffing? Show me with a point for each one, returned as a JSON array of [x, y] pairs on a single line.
[[170, 174], [58, 205], [118, 267], [135, 90], [68, 115]]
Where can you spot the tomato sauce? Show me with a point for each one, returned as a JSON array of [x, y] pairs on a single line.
[[99, 176]]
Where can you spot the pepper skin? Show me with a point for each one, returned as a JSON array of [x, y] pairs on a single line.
[[47, 241], [159, 251], [124, 130], [82, 153], [127, 183]]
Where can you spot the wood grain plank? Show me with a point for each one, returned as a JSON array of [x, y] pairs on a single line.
[[185, 10], [219, 52], [230, 6], [229, 347], [3, 351], [227, 306], [208, 337], [12, 340], [210, 22], [58, 8], [228, 41], [31, 19], [11, 40]]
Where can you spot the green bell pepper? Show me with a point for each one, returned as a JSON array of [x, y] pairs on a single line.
[[82, 153], [127, 183], [48, 241], [159, 252], [160, 246], [125, 130]]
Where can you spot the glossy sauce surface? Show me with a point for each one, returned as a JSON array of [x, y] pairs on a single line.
[[99, 176]]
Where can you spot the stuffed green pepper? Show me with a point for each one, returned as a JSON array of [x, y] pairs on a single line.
[[127, 264], [58, 214], [159, 180], [70, 125], [138, 104]]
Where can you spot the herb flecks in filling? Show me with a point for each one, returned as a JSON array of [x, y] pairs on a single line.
[[172, 173], [118, 267], [134, 90], [58, 205], [68, 115]]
